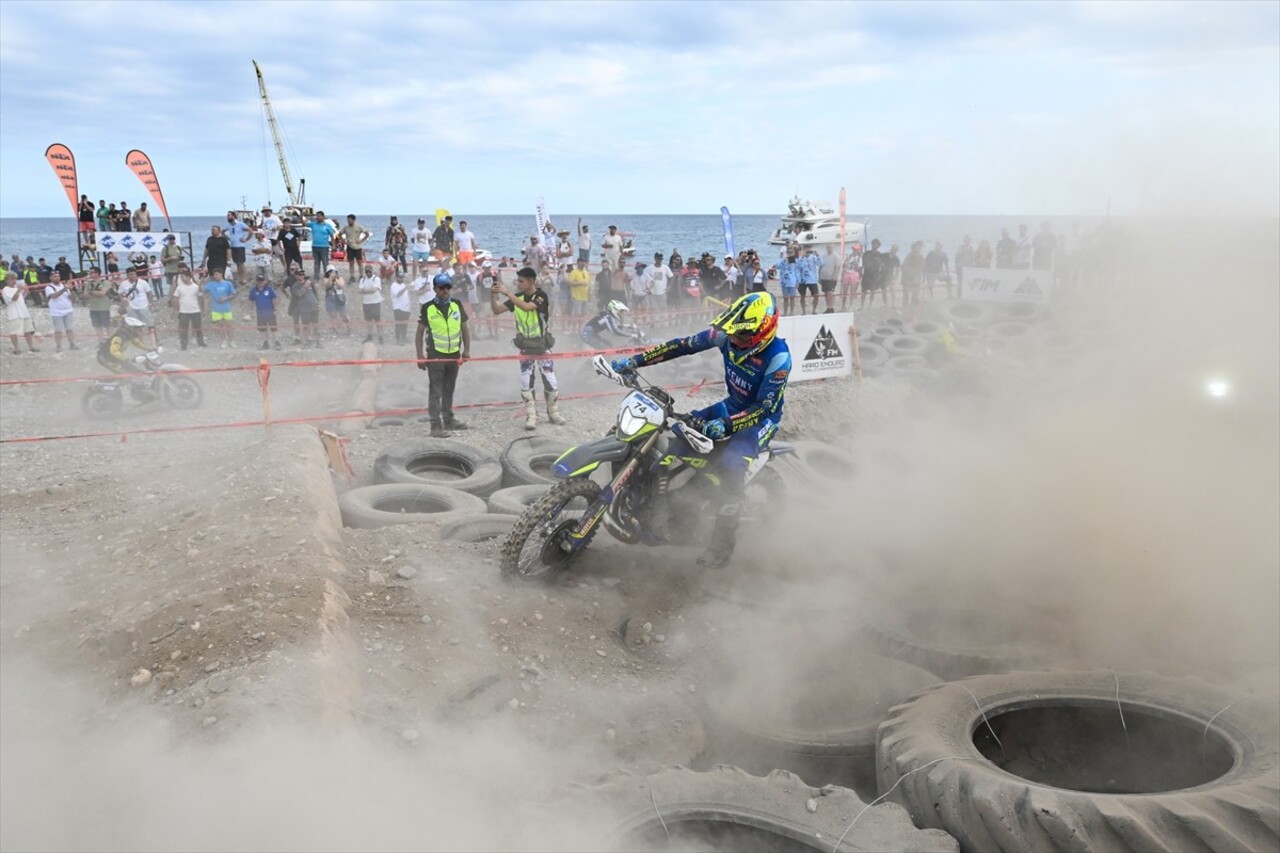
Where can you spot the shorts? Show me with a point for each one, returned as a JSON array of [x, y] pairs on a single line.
[[372, 310], [827, 285], [790, 290], [237, 255], [86, 226], [440, 254], [421, 256], [220, 316], [265, 321], [100, 319], [584, 254], [62, 322], [143, 314], [808, 287], [20, 326], [354, 254], [310, 318], [870, 286]]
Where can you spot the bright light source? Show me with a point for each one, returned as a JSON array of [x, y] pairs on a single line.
[[1217, 388]]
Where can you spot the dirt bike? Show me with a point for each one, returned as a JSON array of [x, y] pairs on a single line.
[[105, 397], [654, 496]]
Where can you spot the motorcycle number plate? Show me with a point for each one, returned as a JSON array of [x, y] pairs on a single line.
[[637, 410]]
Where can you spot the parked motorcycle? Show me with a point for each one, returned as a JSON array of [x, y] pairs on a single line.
[[654, 496], [105, 398]]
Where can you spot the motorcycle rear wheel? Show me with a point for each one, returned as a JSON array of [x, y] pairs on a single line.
[[535, 550], [98, 404]]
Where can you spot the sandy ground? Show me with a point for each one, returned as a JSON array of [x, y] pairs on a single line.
[[197, 654]]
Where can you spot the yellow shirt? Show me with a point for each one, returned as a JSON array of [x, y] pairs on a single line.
[[579, 285]]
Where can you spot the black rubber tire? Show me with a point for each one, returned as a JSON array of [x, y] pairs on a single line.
[[379, 506], [101, 405], [536, 514], [905, 345], [387, 420], [989, 808], [882, 333], [967, 313], [926, 328], [740, 811], [1024, 312], [820, 722], [182, 392], [907, 363], [477, 528], [439, 462], [527, 461], [514, 500], [872, 354]]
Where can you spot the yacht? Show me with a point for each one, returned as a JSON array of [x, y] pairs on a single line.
[[815, 224]]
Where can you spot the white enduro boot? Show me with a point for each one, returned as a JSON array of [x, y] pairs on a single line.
[[553, 408], [530, 410]]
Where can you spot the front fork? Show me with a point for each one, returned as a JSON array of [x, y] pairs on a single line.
[[580, 535]]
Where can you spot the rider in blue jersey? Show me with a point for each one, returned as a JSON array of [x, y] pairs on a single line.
[[609, 320], [756, 366]]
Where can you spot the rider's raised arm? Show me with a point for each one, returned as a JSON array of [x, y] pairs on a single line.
[[677, 347], [768, 397]]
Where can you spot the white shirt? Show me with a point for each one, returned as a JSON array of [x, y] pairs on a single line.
[[611, 245], [188, 293], [465, 240], [15, 303], [139, 297], [640, 283], [584, 241], [260, 259], [155, 269], [420, 239], [399, 296], [271, 226], [371, 290], [659, 277], [59, 306], [421, 286]]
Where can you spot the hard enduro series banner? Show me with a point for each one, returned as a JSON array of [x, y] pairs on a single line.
[[987, 285], [819, 343], [128, 242]]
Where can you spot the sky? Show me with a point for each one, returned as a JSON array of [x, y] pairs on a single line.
[[915, 108]]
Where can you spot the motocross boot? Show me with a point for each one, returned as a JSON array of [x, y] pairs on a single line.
[[553, 408], [530, 410], [723, 538]]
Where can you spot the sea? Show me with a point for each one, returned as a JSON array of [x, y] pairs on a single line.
[[503, 235]]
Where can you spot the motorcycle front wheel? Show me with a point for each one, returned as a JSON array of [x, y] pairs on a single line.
[[537, 547], [98, 404], [182, 392]]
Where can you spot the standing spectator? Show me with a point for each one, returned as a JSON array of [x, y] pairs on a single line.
[[335, 300], [964, 258], [187, 299], [124, 218], [155, 273], [442, 242], [221, 293], [733, 277], [113, 267], [829, 270], [532, 312], [104, 215], [387, 266], [237, 236], [17, 319], [584, 242], [370, 287], [138, 296], [263, 296], [420, 242], [874, 275], [604, 286], [84, 213], [755, 279], [662, 289], [63, 269], [1043, 247], [321, 234], [57, 296], [536, 255], [621, 280], [487, 279], [99, 304], [892, 268], [395, 240], [138, 263], [579, 288], [272, 226], [611, 246], [171, 259], [1022, 250], [466, 243], [982, 256], [260, 253], [306, 301], [291, 245], [400, 310], [912, 273], [809, 265], [640, 286], [142, 218], [789, 280], [355, 236], [1005, 247], [443, 342], [564, 249], [216, 251], [676, 264], [937, 269]]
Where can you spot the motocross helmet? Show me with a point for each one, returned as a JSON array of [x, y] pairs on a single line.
[[616, 308], [751, 323], [134, 325]]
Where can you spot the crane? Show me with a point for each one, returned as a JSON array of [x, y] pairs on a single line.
[[298, 199]]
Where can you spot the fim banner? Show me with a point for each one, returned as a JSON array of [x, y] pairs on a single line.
[[150, 242], [984, 285], [819, 344]]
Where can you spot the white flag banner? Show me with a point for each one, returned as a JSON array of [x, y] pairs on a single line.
[[984, 285], [150, 242], [820, 346]]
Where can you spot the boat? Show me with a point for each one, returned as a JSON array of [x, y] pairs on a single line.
[[810, 223]]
